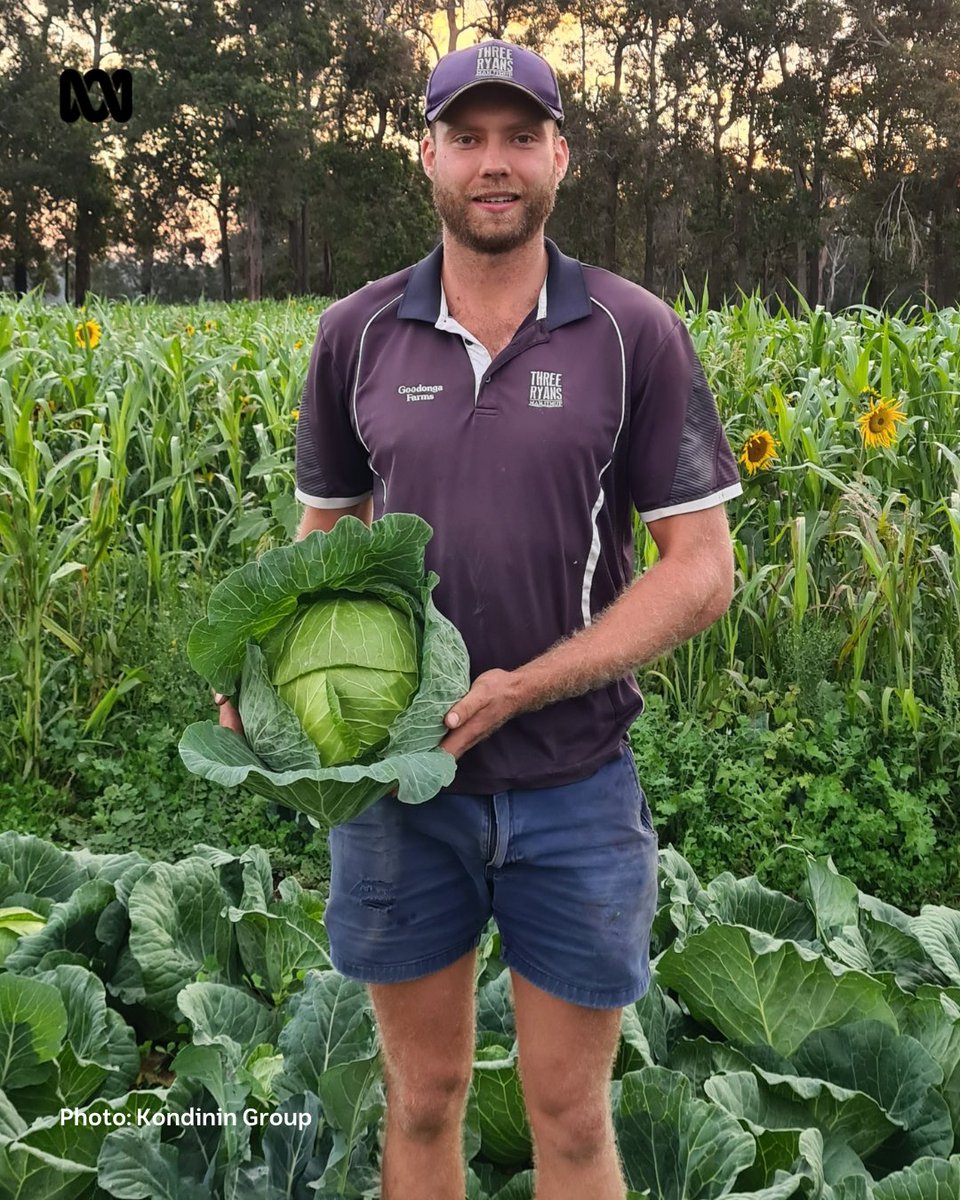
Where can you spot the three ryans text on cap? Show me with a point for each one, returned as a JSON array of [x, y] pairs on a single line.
[[495, 60]]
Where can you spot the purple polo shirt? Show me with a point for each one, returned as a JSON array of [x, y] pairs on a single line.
[[526, 468]]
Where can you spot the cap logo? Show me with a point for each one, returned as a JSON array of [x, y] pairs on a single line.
[[495, 62]]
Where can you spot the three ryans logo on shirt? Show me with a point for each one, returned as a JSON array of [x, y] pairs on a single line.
[[546, 389]]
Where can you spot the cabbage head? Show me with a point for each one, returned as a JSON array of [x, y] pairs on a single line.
[[348, 668], [344, 668]]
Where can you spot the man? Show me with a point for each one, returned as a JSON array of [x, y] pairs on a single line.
[[519, 402]]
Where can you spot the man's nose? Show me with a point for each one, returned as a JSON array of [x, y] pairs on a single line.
[[494, 160]]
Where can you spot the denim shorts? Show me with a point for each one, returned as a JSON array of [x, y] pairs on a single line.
[[569, 875]]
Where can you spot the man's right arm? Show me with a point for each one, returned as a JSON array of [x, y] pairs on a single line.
[[323, 519]]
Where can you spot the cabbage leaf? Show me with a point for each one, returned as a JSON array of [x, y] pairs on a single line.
[[277, 758]]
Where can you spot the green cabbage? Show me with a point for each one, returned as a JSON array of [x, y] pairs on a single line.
[[345, 670]]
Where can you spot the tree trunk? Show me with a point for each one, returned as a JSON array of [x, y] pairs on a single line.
[[946, 280], [801, 277], [326, 274], [649, 249], [20, 246], [717, 282], [745, 266], [293, 237], [613, 203], [814, 291], [875, 286], [651, 148], [453, 30], [814, 288], [304, 248], [222, 218], [254, 252], [146, 271], [83, 230]]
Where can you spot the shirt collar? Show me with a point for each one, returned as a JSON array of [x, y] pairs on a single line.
[[563, 298], [445, 311]]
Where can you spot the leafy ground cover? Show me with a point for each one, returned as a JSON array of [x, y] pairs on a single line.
[[803, 1046], [789, 772]]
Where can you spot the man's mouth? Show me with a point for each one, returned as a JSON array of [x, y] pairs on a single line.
[[496, 201]]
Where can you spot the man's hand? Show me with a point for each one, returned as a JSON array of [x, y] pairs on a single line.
[[490, 703], [229, 717], [492, 700]]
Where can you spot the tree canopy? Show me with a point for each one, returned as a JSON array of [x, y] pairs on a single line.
[[796, 147]]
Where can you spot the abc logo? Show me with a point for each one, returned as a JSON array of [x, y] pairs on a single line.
[[75, 95]]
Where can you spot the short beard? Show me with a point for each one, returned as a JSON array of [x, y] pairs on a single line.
[[455, 213]]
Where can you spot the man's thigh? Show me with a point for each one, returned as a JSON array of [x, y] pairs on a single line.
[[427, 1030], [408, 896], [575, 886], [566, 1054]]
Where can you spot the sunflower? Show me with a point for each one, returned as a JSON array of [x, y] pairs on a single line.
[[758, 450], [878, 425], [295, 413], [190, 331], [297, 344], [87, 333], [210, 325]]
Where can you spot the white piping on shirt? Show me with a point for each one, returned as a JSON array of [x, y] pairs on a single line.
[[718, 497], [593, 555], [356, 382]]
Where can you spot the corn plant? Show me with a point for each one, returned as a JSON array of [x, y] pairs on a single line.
[[145, 444]]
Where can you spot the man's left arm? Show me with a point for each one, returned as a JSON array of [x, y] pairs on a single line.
[[684, 592]]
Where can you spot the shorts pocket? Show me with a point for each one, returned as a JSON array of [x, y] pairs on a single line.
[[643, 808]]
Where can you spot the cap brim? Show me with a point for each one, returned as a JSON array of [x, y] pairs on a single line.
[[438, 110]]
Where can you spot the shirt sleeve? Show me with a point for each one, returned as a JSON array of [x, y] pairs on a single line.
[[332, 466], [680, 460]]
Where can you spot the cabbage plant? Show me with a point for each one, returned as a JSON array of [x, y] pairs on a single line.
[[344, 666]]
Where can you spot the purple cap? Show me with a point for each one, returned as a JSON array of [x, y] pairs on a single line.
[[492, 61]]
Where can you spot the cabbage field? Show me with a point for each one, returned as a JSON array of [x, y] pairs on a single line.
[[801, 757], [805, 1047]]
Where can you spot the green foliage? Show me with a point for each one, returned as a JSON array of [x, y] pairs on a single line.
[[391, 220], [788, 1045], [126, 789], [804, 656], [731, 799]]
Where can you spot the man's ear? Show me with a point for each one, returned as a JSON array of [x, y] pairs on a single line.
[[428, 153], [562, 155]]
